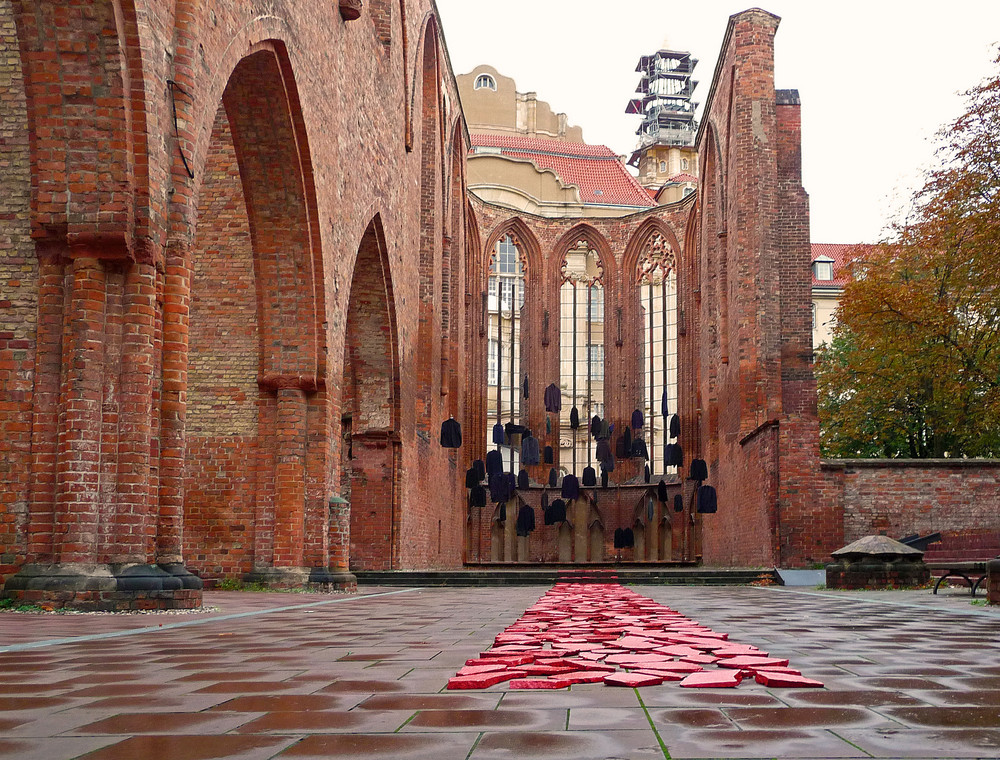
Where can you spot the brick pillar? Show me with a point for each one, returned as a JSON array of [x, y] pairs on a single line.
[[289, 477], [78, 471]]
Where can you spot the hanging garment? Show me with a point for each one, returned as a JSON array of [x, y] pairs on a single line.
[[499, 491], [589, 476], [558, 509], [525, 520], [553, 398], [673, 455], [664, 407], [619, 542], [604, 477], [553, 478], [603, 450], [549, 455], [523, 482], [628, 538], [451, 434], [678, 503], [494, 462], [574, 418], [623, 448], [511, 483], [707, 500], [502, 517], [545, 499], [471, 479], [661, 491], [480, 467], [548, 425], [646, 473], [547, 516], [605, 430], [529, 450], [699, 469], [525, 387], [675, 426], [508, 431], [477, 497], [595, 425], [649, 511], [637, 419], [570, 487], [498, 435], [639, 449]]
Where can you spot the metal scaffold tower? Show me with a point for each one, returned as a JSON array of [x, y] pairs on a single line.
[[667, 111]]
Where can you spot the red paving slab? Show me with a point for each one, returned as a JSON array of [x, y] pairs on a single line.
[[904, 675]]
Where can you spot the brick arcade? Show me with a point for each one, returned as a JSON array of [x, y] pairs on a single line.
[[242, 275]]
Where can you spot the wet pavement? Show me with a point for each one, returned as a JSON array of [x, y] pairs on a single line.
[[906, 674]]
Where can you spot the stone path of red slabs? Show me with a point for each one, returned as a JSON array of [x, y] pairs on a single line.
[[605, 633]]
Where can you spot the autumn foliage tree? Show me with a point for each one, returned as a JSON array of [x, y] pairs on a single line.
[[914, 366]]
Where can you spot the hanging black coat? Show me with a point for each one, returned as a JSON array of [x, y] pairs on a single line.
[[595, 425], [589, 476], [525, 520], [678, 503], [553, 477], [603, 450], [675, 426], [646, 473], [558, 510], [549, 455], [619, 533], [707, 500], [553, 398], [522, 480], [494, 462], [545, 499], [525, 387], [451, 434], [574, 418], [639, 449], [498, 436], [471, 478], [480, 467], [502, 516], [628, 538], [529, 450], [661, 491], [673, 455], [622, 450], [699, 469], [627, 437], [499, 491], [637, 419], [477, 497], [604, 477], [664, 406], [570, 487]]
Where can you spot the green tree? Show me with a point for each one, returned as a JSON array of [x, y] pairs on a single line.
[[914, 367]]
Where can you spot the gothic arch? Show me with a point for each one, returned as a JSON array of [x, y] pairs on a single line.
[[637, 243]]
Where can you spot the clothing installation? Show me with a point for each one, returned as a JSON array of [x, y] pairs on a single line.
[[675, 426], [699, 469], [574, 418], [451, 434], [529, 450], [494, 462], [589, 476], [639, 449], [707, 500], [637, 419], [525, 520], [498, 435], [523, 482], [553, 398], [570, 487]]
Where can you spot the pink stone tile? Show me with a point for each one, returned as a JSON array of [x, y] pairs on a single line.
[[632, 679], [713, 679]]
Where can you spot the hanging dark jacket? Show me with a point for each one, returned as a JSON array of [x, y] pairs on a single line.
[[707, 500], [699, 469], [574, 418], [639, 449], [646, 473], [451, 434], [595, 425], [664, 406], [529, 450], [522, 480], [480, 467], [545, 499], [570, 487], [525, 520], [627, 438], [628, 538], [494, 462], [661, 491], [498, 436], [553, 398], [547, 516], [606, 428], [675, 426], [558, 509], [603, 450], [525, 387], [477, 497], [673, 455], [502, 516], [511, 483], [498, 488], [589, 476], [549, 455], [604, 477], [553, 477], [618, 538], [471, 479], [623, 448], [637, 419], [678, 503]]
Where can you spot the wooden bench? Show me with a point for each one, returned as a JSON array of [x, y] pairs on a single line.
[[959, 569]]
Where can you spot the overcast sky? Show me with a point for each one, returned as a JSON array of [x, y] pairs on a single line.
[[877, 78]]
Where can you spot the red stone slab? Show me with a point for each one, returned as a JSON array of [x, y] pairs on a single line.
[[752, 662], [539, 683], [735, 650], [666, 675], [771, 678], [584, 676], [674, 667], [482, 680], [633, 679], [475, 670], [505, 660], [679, 650], [700, 659], [713, 679], [628, 657]]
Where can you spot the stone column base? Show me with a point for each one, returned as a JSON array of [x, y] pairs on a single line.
[[105, 588], [317, 578]]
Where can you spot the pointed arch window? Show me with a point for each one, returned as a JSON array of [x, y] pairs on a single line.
[[581, 351], [656, 287], [505, 302]]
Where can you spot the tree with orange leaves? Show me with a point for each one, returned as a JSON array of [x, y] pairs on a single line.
[[914, 366]]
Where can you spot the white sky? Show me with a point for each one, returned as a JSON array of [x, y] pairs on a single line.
[[877, 78]]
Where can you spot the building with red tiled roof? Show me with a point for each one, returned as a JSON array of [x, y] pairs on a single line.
[[829, 276]]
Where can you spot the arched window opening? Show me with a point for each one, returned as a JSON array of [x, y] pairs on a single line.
[[657, 291], [581, 352], [485, 81], [505, 303]]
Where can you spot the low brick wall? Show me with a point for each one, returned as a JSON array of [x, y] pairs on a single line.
[[899, 497]]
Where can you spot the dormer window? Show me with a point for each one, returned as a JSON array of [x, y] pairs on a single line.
[[663, 166], [485, 81], [823, 269]]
